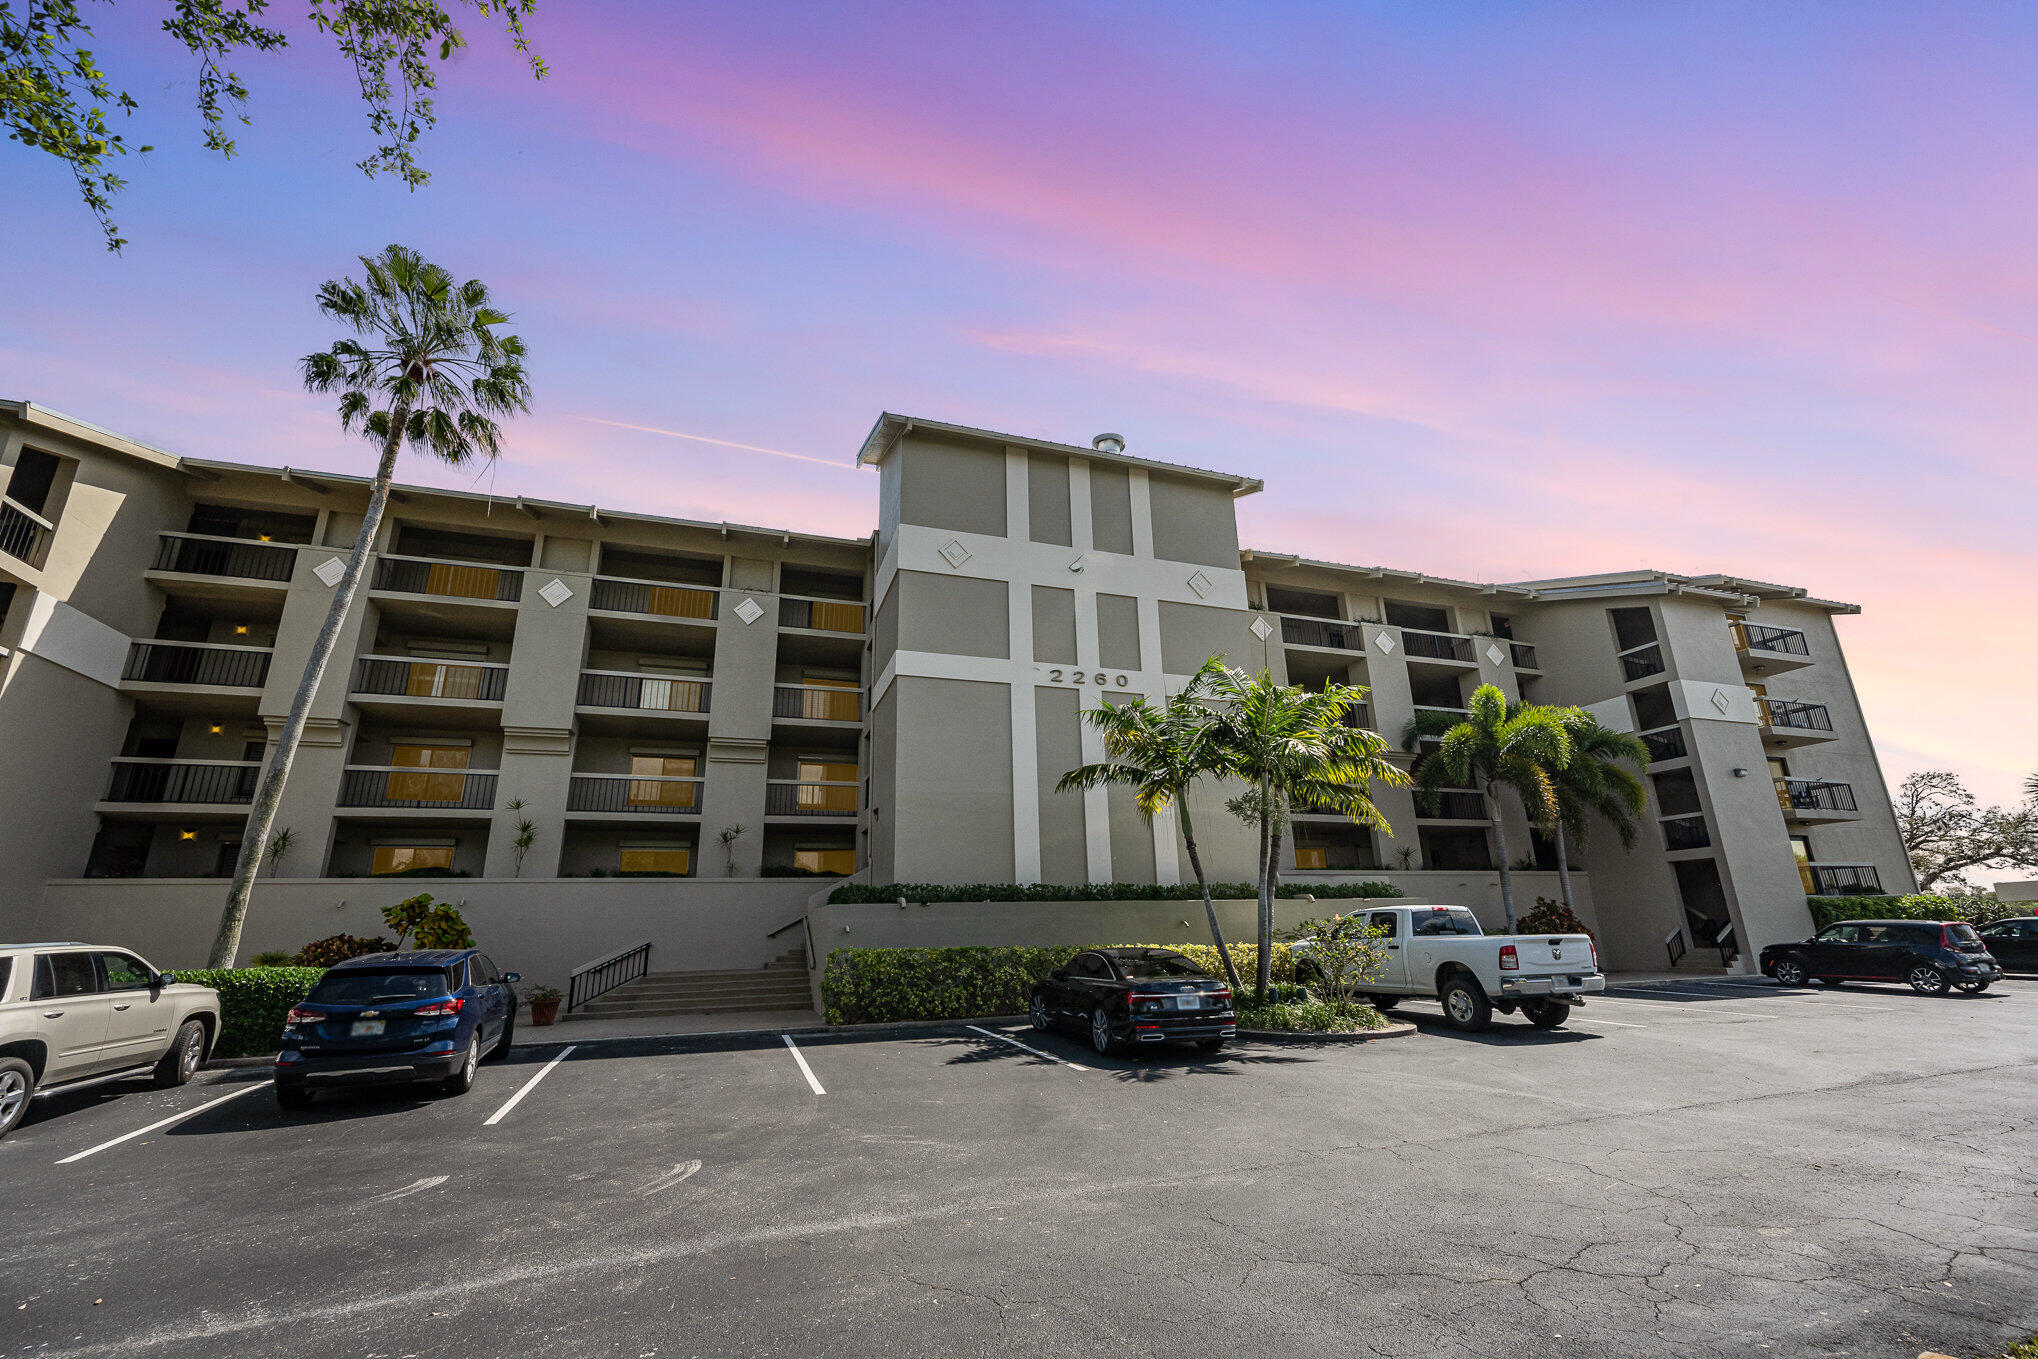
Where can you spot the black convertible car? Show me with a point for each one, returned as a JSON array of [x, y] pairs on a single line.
[[1135, 995]]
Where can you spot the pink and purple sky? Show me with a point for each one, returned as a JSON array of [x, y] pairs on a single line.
[[1496, 291]]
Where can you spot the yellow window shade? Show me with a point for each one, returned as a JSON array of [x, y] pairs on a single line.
[[670, 794], [1311, 856], [825, 797], [655, 860], [842, 861], [827, 771], [673, 601], [428, 787], [403, 858], [465, 582], [832, 704], [834, 616], [666, 766]]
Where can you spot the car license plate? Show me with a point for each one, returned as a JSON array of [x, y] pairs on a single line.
[[367, 1028], [1188, 1002]]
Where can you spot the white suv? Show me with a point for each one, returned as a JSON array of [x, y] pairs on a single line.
[[73, 1015]]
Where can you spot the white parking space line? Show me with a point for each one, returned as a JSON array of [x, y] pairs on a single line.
[[1595, 1019], [515, 1099], [801, 1058], [1073, 1066], [163, 1123], [1802, 997]]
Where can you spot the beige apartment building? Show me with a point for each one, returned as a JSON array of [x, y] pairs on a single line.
[[599, 725]]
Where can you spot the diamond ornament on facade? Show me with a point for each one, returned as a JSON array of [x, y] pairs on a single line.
[[1384, 640], [1494, 654], [1202, 585], [556, 592], [1262, 629], [330, 570], [954, 553], [1721, 702], [749, 611]]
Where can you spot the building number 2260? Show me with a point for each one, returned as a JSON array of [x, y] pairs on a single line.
[[1059, 676]]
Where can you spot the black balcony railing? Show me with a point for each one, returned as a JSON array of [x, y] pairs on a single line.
[[825, 615], [810, 799], [1451, 804], [430, 679], [1813, 795], [1319, 632], [1643, 662], [451, 789], [452, 580], [216, 557], [817, 703], [1845, 880], [1524, 656], [24, 534], [650, 597], [621, 793], [1801, 716], [1436, 646], [194, 663], [1686, 832], [178, 781], [1754, 637], [1667, 744], [646, 693]]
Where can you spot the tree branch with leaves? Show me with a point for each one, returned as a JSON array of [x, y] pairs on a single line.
[[1946, 832]]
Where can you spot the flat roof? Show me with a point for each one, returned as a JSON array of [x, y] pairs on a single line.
[[884, 436]]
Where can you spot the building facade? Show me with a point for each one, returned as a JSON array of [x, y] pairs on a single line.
[[535, 692]]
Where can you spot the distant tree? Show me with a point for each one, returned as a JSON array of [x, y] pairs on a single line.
[[1946, 832], [1594, 782], [55, 98]]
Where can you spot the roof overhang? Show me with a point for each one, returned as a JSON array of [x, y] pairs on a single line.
[[884, 437]]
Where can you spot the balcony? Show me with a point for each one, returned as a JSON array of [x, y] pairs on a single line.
[[635, 794], [1816, 800], [197, 554], [1686, 832], [1642, 662], [1451, 804], [213, 664], [1766, 650], [816, 703], [448, 580], [1666, 743], [417, 789], [790, 797], [1322, 632], [1455, 714], [184, 782], [821, 615], [1845, 880], [400, 676], [1436, 646], [1523, 655], [24, 534], [627, 690], [655, 599], [1794, 724]]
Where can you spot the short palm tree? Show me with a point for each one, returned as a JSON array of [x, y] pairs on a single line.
[[1496, 745], [1295, 747], [1158, 752], [1595, 782], [429, 369]]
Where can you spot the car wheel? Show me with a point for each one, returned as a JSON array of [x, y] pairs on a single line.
[[1041, 1017], [1100, 1032], [500, 1052], [1928, 980], [1788, 972], [1384, 1003], [1973, 988], [180, 1063], [292, 1097], [1465, 1005], [1546, 1014], [17, 1087], [462, 1079], [1210, 1044]]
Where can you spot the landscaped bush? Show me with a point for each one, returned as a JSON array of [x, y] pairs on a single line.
[[274, 957], [334, 948], [1311, 1016], [1976, 908], [794, 871], [1244, 956], [1550, 917], [252, 1004], [923, 892]]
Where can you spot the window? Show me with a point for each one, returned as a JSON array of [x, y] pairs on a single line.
[[1444, 920], [1632, 628], [1155, 966], [1312, 856], [428, 787], [365, 986], [1092, 965], [125, 972], [35, 472], [662, 781], [409, 858], [1421, 617], [654, 859], [1386, 922], [1840, 934], [827, 784], [1503, 626], [1801, 849], [488, 968], [65, 974], [836, 859]]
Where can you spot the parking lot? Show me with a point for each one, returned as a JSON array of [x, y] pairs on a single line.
[[1712, 1168]]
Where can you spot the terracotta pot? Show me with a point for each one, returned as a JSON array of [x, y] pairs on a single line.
[[544, 1013]]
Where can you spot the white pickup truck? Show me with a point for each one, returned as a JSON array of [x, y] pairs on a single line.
[[1440, 951]]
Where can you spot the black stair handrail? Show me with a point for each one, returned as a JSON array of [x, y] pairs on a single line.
[[606, 974]]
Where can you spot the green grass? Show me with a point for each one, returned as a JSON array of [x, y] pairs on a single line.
[[1311, 1015], [2027, 1349]]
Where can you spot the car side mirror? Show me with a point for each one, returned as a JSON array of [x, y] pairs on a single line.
[[512, 976], [164, 979]]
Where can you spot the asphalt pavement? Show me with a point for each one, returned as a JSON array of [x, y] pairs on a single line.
[[1701, 1169]]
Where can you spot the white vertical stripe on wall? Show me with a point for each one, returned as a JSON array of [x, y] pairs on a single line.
[[1025, 739], [1082, 539], [1142, 514], [1082, 532]]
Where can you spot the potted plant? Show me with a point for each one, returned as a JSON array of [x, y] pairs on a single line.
[[544, 1005]]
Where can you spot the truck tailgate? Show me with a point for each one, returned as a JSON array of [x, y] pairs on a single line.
[[1543, 954]]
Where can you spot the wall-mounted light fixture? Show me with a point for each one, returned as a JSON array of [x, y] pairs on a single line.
[[216, 729], [240, 629], [187, 835], [1740, 773]]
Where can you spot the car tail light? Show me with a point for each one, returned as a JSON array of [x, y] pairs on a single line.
[[439, 1009], [1593, 945], [300, 1015], [1510, 961], [1221, 996]]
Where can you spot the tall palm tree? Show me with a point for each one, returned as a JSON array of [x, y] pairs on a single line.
[[1595, 782], [1496, 745], [429, 369], [1295, 747], [1158, 752]]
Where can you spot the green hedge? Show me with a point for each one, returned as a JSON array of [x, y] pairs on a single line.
[[1976, 908], [888, 985], [923, 892], [252, 1004]]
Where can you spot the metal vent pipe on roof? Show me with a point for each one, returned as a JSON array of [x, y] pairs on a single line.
[[1109, 443]]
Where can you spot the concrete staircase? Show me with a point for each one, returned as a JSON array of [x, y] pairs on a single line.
[[780, 984]]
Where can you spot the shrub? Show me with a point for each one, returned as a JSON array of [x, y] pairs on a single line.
[[1344, 952], [1244, 956], [1551, 917], [274, 957], [1311, 1016], [1976, 908], [795, 871], [337, 948], [923, 892], [429, 924], [252, 1004]]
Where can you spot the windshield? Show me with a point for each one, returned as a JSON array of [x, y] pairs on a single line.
[[1962, 933], [1444, 920], [1157, 966], [352, 987]]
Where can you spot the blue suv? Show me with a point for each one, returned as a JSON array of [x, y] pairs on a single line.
[[426, 1014]]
